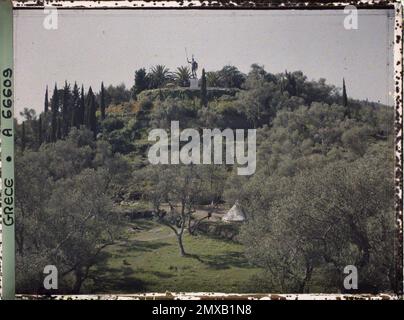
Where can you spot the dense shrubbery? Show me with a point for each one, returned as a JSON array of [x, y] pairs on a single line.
[[64, 193], [185, 93]]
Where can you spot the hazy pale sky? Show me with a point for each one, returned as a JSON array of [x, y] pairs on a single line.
[[94, 46]]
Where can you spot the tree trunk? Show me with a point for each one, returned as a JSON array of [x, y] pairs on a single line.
[[307, 278], [78, 282], [360, 238], [180, 244], [190, 229]]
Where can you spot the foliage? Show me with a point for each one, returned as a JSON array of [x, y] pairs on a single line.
[[321, 197], [159, 76], [230, 77], [182, 188], [172, 110], [102, 101], [116, 94], [182, 76], [67, 222], [317, 222], [141, 81], [185, 93], [212, 79]]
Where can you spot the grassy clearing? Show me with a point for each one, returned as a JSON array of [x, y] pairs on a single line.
[[148, 261]]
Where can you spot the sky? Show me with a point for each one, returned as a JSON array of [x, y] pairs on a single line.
[[99, 45]]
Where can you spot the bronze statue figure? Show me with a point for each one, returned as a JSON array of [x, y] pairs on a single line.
[[194, 65]]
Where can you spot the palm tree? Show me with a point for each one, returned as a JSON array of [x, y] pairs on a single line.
[[159, 76], [182, 76], [212, 79]]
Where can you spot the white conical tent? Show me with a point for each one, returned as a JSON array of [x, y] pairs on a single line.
[[234, 214]]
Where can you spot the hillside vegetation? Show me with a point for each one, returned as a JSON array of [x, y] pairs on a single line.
[[322, 196]]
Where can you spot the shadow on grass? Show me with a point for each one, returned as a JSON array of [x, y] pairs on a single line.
[[194, 256], [164, 275], [121, 284], [222, 261], [106, 280], [139, 245], [142, 224], [225, 261]]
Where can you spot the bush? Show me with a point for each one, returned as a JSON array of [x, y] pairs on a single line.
[[220, 230]]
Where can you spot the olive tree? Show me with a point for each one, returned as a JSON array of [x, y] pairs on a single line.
[[321, 220], [176, 190], [64, 194]]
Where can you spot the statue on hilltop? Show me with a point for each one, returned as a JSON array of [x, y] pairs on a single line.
[[194, 65]]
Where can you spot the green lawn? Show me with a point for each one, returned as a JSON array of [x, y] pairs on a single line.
[[149, 261]]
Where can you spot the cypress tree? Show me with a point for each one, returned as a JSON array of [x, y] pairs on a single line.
[[40, 139], [59, 129], [66, 110], [102, 102], [87, 108], [75, 112], [91, 119], [55, 111], [345, 99], [82, 109], [204, 93], [344, 95], [23, 136], [46, 107]]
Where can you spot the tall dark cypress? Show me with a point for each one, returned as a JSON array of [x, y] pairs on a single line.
[[75, 112], [93, 119], [40, 138], [66, 110], [82, 109], [59, 129], [23, 136], [102, 102], [91, 109], [345, 99], [204, 92], [344, 95], [55, 112], [88, 108], [46, 107]]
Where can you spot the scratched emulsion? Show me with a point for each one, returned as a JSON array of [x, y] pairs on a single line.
[[274, 4], [398, 74], [208, 4]]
